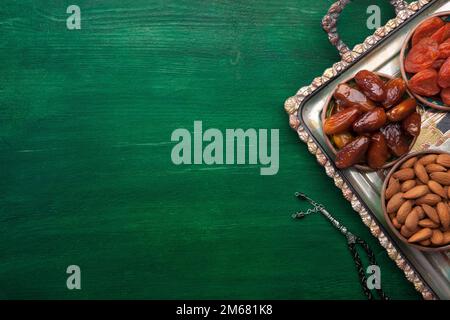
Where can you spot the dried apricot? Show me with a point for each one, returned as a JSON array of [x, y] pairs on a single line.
[[442, 34], [422, 56], [425, 83], [445, 95], [444, 74], [437, 64], [444, 49], [426, 29]]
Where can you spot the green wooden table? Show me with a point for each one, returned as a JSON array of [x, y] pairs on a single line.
[[86, 176]]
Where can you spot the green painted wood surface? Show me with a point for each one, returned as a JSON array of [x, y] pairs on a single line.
[[86, 176]]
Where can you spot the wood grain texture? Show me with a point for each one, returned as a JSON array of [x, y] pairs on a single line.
[[85, 124]]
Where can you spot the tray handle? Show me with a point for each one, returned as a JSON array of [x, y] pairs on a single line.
[[329, 22]]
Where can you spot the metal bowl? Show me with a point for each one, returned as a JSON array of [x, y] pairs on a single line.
[[383, 203], [331, 145], [434, 102]]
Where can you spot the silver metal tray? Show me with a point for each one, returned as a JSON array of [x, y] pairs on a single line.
[[429, 272]]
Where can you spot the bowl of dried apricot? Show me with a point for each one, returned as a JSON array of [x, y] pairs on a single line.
[[415, 200], [370, 121], [425, 61]]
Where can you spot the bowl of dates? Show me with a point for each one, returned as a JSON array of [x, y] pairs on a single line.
[[415, 200], [370, 121], [425, 61]]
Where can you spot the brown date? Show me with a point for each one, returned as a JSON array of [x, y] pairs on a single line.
[[342, 139], [352, 153], [339, 106], [342, 121], [411, 124], [402, 110], [395, 89], [370, 121], [422, 56], [371, 85], [444, 75], [427, 29], [395, 139], [425, 83], [378, 152], [351, 97]]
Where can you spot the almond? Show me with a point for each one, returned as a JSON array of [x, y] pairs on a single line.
[[393, 188], [412, 220], [416, 192], [404, 231], [441, 177], [425, 243], [396, 224], [433, 167], [421, 235], [430, 199], [437, 188], [446, 237], [431, 213], [404, 174], [404, 211], [420, 212], [437, 238], [444, 160], [421, 173], [419, 183], [444, 215], [409, 163], [395, 202], [408, 185], [428, 223], [430, 158]]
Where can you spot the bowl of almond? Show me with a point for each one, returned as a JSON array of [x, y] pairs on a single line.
[[415, 200]]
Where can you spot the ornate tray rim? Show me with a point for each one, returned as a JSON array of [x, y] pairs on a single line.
[[292, 106]]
